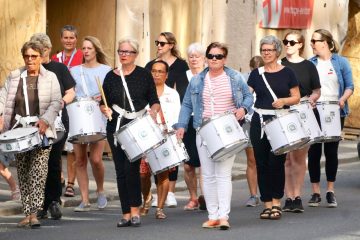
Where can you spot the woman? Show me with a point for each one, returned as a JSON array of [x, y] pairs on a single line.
[[168, 115], [167, 51], [215, 84], [196, 59], [308, 77], [44, 96], [334, 87], [94, 66], [142, 91], [282, 81]]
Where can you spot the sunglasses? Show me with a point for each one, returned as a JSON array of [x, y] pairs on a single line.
[[32, 57], [161, 43], [216, 56], [313, 41], [292, 42]]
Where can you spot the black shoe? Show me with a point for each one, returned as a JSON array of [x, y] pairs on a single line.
[[202, 203], [315, 200], [297, 205], [330, 198], [288, 207], [42, 214], [135, 221], [124, 223], [54, 209]]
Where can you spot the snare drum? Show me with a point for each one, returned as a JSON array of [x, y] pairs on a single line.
[[222, 136], [167, 155], [285, 132], [20, 140], [329, 112], [139, 136], [308, 120], [87, 123]]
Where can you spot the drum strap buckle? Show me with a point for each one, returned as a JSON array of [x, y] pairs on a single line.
[[25, 121]]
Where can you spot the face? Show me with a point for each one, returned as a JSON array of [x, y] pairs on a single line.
[[68, 40], [46, 53], [88, 51], [293, 46], [161, 50], [32, 60], [196, 60], [317, 46], [213, 62], [158, 71], [127, 54], [268, 53]]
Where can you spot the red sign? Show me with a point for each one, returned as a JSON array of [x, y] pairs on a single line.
[[295, 14]]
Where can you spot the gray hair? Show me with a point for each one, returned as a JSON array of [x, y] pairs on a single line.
[[196, 48], [132, 41], [34, 45], [69, 28], [272, 40], [43, 39]]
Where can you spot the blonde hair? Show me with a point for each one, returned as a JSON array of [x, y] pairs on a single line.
[[101, 57]]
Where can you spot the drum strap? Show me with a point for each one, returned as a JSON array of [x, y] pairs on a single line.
[[126, 89], [270, 112], [83, 82], [262, 73], [25, 121], [26, 98]]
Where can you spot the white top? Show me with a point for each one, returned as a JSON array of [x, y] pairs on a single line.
[[170, 106], [328, 80]]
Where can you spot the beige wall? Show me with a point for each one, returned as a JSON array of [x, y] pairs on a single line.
[[17, 23]]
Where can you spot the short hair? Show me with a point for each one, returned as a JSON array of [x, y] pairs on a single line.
[[162, 62], [43, 39], [256, 62], [272, 40], [327, 36], [132, 41], [299, 37], [170, 37], [101, 57], [34, 45], [69, 28], [222, 46], [196, 48]]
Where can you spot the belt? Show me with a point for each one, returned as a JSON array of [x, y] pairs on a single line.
[[127, 114]]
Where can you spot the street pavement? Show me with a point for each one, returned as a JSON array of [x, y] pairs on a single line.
[[347, 154]]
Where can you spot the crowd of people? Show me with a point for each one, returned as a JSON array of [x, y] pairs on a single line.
[[181, 97]]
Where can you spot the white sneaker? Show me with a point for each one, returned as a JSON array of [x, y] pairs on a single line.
[[171, 200], [154, 201], [101, 200]]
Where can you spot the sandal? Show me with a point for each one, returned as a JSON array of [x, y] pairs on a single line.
[[159, 214], [192, 205], [276, 213], [69, 190], [265, 214]]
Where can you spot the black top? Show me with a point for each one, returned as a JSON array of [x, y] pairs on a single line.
[[307, 75], [141, 87], [177, 75], [280, 82]]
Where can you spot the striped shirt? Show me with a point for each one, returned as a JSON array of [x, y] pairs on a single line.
[[218, 90]]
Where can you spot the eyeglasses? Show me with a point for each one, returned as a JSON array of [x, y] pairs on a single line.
[[125, 52], [313, 41], [161, 43], [267, 50], [157, 72], [32, 57], [292, 42], [216, 56]]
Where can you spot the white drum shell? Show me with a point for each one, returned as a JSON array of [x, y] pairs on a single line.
[[285, 133], [20, 140], [329, 113], [139, 136], [87, 123], [223, 136], [167, 155]]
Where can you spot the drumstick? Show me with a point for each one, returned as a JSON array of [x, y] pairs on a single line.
[[101, 90]]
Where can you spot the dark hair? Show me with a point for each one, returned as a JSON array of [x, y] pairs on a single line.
[[299, 37], [69, 28], [100, 54], [34, 45], [170, 37], [162, 62], [222, 46], [327, 36], [255, 62]]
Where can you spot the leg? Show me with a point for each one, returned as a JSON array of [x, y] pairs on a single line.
[[71, 173], [97, 164], [4, 171], [314, 156], [191, 182], [80, 151], [23, 168], [171, 200], [162, 191], [251, 176], [145, 178]]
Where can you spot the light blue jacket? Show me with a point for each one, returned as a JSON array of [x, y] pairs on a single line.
[[193, 99], [343, 72]]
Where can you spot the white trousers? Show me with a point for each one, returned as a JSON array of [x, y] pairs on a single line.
[[217, 185]]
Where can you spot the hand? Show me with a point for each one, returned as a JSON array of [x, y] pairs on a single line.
[[97, 98], [153, 114], [279, 103], [341, 103], [240, 113], [180, 133], [106, 111], [312, 103], [1, 123], [41, 124]]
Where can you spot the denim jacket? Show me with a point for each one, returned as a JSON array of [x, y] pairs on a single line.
[[193, 99], [344, 75]]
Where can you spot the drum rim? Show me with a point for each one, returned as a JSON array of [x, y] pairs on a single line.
[[20, 138], [207, 120], [307, 139], [327, 102], [71, 140], [213, 157], [280, 115]]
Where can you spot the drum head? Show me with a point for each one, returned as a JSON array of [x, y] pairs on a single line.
[[18, 133]]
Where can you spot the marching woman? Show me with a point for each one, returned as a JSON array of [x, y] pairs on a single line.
[[31, 96], [94, 66], [283, 83], [216, 90], [141, 88], [306, 73], [336, 85]]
